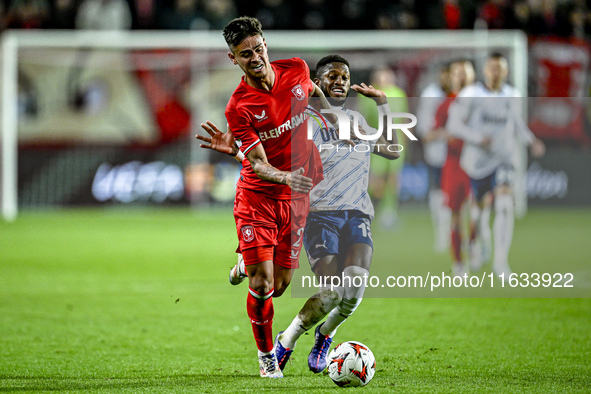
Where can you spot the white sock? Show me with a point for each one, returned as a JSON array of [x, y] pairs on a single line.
[[444, 226], [351, 299], [291, 334], [435, 203], [485, 233], [261, 354], [314, 310], [503, 229], [441, 219]]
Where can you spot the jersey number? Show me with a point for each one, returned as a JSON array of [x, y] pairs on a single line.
[[294, 251], [365, 230]]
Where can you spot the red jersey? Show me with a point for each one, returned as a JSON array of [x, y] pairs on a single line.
[[276, 120], [454, 181], [454, 145]]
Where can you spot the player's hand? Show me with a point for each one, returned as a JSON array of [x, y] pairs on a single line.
[[299, 183], [371, 92], [221, 142], [485, 143], [537, 148], [317, 92]]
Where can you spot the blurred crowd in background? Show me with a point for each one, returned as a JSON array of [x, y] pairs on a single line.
[[564, 18]]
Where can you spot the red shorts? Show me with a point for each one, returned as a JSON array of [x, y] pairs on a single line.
[[263, 221], [455, 183]]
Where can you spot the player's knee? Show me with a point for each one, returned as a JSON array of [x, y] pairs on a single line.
[[330, 298], [355, 279], [261, 284]]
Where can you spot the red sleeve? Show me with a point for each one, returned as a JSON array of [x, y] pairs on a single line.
[[243, 130], [308, 85], [441, 114]]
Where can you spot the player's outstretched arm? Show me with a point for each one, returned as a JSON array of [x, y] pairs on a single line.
[[371, 92], [264, 170], [220, 142], [388, 149], [382, 144]]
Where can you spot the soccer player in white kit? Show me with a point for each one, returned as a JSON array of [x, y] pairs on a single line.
[[337, 235], [487, 116]]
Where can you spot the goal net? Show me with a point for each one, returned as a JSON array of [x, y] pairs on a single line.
[[95, 118]]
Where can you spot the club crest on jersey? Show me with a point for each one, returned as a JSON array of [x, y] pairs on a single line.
[[298, 92], [247, 233]]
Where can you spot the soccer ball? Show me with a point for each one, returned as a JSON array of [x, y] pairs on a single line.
[[351, 364]]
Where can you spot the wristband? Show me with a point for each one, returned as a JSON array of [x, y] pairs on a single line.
[[383, 109], [239, 156]]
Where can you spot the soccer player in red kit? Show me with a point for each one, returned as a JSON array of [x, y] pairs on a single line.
[[455, 183], [266, 114]]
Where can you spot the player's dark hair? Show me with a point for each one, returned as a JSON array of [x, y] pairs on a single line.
[[497, 55], [240, 28], [322, 63]]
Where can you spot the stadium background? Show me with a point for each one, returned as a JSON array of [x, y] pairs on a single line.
[[125, 228], [93, 119]]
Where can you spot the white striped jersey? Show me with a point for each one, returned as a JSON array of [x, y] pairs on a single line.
[[435, 151], [346, 169], [477, 113]]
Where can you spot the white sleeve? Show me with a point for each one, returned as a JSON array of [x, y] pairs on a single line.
[[425, 115], [459, 114], [523, 132]]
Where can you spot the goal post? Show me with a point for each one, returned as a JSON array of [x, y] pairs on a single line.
[[209, 52]]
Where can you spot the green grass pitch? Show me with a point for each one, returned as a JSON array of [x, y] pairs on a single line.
[[138, 301]]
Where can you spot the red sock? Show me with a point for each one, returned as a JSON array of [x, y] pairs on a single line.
[[260, 310], [456, 245]]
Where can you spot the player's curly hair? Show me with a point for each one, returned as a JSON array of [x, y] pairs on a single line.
[[322, 63], [239, 28]]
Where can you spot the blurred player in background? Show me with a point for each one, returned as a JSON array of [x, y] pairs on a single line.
[[272, 199], [338, 228], [487, 117], [435, 150], [385, 174], [455, 183]]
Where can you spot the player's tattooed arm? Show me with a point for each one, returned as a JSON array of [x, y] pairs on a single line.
[[264, 170]]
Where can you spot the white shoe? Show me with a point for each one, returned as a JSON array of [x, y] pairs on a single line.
[[502, 269], [475, 255], [459, 269], [238, 272], [269, 366]]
